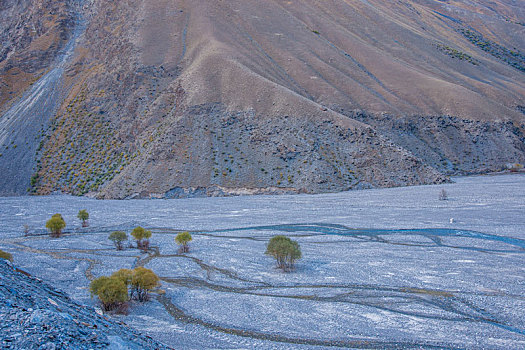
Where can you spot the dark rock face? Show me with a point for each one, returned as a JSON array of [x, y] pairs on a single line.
[[455, 145], [34, 315], [212, 152]]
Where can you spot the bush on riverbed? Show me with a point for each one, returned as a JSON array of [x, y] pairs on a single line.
[[111, 292], [142, 282], [183, 239], [125, 284], [125, 275], [285, 251], [118, 237], [142, 237], [83, 216], [55, 225]]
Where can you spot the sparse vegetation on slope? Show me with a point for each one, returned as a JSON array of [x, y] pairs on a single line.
[[454, 53], [80, 153], [138, 118], [513, 57]]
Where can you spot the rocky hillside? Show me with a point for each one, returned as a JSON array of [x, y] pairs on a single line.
[[174, 98], [34, 313]]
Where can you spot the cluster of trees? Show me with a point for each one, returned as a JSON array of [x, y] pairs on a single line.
[[116, 290], [285, 251], [140, 234], [282, 248], [56, 224]]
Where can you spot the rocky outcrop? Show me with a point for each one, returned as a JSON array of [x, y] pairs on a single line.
[[210, 151], [455, 145], [36, 316]]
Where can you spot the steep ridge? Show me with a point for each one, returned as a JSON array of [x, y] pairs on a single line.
[[45, 52], [32, 35], [176, 98]]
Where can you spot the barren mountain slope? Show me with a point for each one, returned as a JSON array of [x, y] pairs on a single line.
[[175, 98], [35, 37], [32, 34]]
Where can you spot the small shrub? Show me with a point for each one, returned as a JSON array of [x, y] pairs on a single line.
[[443, 195], [142, 282], [141, 236], [34, 179], [284, 250], [55, 225], [182, 239], [83, 215], [118, 237], [111, 292], [5, 255]]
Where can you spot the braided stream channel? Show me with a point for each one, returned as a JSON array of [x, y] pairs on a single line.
[[427, 299]]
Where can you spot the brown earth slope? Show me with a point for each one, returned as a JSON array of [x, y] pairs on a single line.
[[177, 98], [32, 34]]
